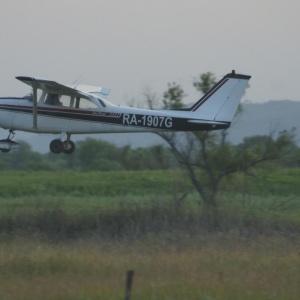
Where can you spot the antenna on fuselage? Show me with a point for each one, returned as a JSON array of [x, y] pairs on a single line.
[[77, 81]]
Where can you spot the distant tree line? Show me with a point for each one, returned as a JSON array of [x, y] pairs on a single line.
[[99, 155], [90, 155]]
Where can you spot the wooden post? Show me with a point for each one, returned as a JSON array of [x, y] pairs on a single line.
[[129, 280]]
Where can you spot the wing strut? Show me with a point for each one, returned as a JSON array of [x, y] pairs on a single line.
[[34, 106]]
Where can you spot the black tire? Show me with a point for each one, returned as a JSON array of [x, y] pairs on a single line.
[[68, 147], [56, 146]]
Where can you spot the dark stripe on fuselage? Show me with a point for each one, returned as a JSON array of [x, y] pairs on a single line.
[[11, 98], [124, 119]]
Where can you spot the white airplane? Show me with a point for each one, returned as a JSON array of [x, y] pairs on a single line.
[[54, 108]]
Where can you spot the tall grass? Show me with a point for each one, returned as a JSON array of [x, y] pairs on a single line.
[[175, 267], [134, 217]]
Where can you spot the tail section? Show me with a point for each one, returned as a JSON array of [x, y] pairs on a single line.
[[220, 103]]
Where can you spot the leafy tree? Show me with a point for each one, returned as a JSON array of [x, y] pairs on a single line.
[[207, 157], [90, 154], [156, 157], [24, 159], [173, 96], [98, 155], [205, 82]]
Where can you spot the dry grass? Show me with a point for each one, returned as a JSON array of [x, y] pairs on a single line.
[[173, 267]]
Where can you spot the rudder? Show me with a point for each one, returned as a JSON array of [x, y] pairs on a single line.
[[221, 101]]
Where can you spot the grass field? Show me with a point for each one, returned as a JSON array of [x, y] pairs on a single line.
[[281, 182], [176, 267], [74, 235]]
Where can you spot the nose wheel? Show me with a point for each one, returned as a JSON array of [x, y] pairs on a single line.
[[57, 146], [8, 144]]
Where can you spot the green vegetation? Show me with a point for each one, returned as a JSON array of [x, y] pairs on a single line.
[[202, 219], [278, 182], [136, 203], [90, 155], [209, 158], [73, 235], [115, 183]]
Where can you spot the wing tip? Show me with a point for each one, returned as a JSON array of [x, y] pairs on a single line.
[[22, 78]]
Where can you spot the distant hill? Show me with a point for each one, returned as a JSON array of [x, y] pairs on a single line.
[[256, 119], [266, 118]]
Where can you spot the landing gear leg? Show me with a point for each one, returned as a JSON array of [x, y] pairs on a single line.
[[69, 145], [11, 133]]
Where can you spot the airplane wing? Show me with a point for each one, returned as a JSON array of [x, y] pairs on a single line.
[[52, 86]]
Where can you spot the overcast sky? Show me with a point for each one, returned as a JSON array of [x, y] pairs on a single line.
[[133, 44]]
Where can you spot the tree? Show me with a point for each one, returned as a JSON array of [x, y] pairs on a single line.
[[205, 82], [173, 97], [24, 159], [207, 157]]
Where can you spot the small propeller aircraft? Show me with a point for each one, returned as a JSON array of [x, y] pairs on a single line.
[[54, 108]]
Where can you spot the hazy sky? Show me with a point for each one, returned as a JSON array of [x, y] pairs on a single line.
[[133, 44]]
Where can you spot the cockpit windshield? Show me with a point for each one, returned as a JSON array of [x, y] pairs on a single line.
[[54, 99], [28, 96]]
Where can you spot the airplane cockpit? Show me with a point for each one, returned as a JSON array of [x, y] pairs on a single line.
[[67, 101], [50, 93]]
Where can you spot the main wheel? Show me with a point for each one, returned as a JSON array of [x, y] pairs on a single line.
[[68, 147], [56, 146]]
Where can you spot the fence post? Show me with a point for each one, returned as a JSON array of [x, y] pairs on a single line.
[[129, 280]]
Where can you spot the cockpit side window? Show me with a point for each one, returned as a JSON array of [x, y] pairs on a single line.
[[69, 101], [53, 99]]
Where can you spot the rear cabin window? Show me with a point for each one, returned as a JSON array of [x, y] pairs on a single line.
[[84, 103]]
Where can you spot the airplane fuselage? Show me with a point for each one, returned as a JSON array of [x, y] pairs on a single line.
[[16, 114]]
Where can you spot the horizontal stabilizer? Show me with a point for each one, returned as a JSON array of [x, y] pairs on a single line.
[[99, 91], [206, 122]]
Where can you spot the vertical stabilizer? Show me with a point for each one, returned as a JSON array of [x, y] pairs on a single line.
[[221, 102]]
